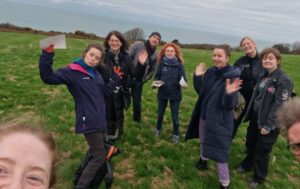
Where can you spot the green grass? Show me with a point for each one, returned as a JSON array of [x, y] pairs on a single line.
[[145, 161]]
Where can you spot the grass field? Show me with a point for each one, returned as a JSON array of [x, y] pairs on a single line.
[[146, 161]]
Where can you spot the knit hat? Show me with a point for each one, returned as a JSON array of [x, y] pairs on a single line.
[[155, 33]]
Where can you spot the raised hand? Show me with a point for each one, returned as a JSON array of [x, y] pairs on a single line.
[[234, 86], [49, 49], [201, 69], [143, 55]]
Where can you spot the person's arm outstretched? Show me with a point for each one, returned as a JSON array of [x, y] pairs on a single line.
[[46, 72]]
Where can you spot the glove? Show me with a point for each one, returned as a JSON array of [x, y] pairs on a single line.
[[49, 49]]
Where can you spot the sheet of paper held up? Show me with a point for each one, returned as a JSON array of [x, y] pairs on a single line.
[[59, 42], [182, 82], [157, 83]]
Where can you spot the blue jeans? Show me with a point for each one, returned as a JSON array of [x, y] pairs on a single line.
[[174, 105]]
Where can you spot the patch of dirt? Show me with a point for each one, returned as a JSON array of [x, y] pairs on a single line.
[[163, 182]]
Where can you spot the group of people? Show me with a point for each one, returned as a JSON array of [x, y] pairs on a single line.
[[104, 80]]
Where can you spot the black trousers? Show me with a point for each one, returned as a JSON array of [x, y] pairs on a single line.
[[259, 148], [96, 142], [174, 105], [136, 93]]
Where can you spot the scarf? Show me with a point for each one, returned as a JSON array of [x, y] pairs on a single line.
[[87, 68], [171, 61], [150, 50]]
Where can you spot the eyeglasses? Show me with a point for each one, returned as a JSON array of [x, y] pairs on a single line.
[[294, 146]]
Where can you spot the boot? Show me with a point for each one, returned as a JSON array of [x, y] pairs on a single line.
[[202, 164]]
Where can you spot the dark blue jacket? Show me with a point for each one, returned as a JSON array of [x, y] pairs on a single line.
[[171, 75], [88, 93], [219, 114]]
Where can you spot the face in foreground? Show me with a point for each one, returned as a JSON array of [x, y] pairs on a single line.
[[294, 139], [170, 52], [25, 162], [92, 57], [220, 59]]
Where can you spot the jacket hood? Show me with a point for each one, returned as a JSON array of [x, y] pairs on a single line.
[[233, 72]]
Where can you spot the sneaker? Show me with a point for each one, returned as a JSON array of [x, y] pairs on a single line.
[[224, 187], [156, 132], [201, 164], [254, 184], [175, 139]]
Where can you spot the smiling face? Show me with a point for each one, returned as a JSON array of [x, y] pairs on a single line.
[[170, 52], [154, 40], [220, 58], [114, 43], [92, 57], [25, 162], [270, 62], [248, 47], [294, 138]]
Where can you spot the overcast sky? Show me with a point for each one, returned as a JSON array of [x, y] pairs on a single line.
[[272, 20]]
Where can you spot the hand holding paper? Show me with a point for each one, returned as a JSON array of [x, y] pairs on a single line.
[[157, 83], [182, 82], [58, 42]]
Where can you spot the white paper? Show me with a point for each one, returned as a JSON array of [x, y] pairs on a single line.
[[182, 82], [157, 83], [59, 42]]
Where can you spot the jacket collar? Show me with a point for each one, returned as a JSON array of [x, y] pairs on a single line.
[[79, 68]]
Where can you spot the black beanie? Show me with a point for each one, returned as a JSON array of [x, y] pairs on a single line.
[[155, 33]]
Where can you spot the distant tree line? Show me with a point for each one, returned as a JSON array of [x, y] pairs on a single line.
[[77, 34], [139, 34]]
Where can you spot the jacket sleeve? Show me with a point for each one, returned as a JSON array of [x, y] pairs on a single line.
[[198, 81], [47, 74], [282, 94], [229, 101], [157, 75], [182, 73], [152, 71]]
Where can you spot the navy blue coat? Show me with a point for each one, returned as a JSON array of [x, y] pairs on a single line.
[[171, 75], [219, 115], [88, 93]]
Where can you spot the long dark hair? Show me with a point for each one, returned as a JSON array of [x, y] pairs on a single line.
[[120, 36]]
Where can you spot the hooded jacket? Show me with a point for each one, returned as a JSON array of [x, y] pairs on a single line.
[[219, 113], [87, 92]]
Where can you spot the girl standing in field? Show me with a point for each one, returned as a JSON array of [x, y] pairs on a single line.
[[170, 70], [212, 118], [251, 68], [88, 90], [116, 61], [273, 88]]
